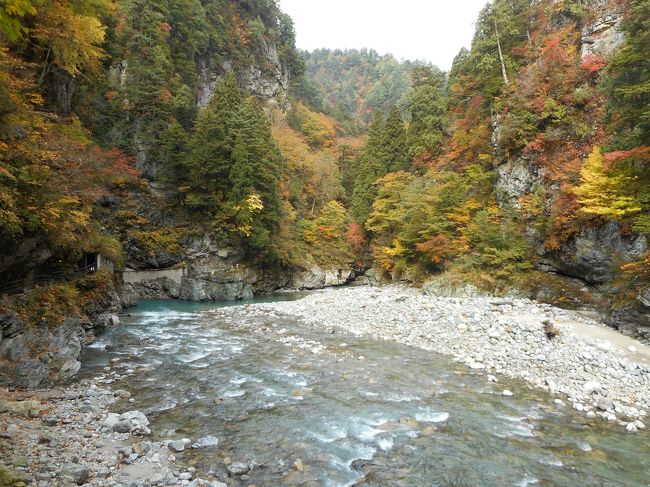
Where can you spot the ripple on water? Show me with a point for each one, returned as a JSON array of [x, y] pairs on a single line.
[[427, 415], [393, 397]]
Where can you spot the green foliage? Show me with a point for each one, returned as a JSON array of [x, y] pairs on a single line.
[[326, 235], [11, 15], [629, 83], [428, 108], [106, 245], [351, 85], [49, 306], [424, 221], [318, 129]]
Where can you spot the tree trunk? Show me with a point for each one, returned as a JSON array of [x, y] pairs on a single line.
[[503, 64]]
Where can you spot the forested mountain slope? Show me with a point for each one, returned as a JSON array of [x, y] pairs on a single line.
[[544, 158], [350, 85], [192, 134]]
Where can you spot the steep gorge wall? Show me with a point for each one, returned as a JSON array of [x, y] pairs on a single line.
[[595, 254]]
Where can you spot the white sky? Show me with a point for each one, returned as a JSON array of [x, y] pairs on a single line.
[[429, 30]]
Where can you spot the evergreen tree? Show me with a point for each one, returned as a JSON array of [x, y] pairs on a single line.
[[630, 79], [371, 167], [147, 95], [395, 146], [172, 153], [428, 106], [255, 172], [214, 139]]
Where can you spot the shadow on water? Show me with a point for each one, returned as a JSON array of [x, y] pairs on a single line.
[[351, 409]]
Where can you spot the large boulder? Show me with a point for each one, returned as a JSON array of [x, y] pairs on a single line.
[[315, 277], [595, 254]]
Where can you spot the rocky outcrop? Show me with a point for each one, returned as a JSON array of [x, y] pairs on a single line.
[[515, 178], [596, 253], [43, 357], [215, 273], [39, 357], [317, 278], [267, 79], [602, 36]]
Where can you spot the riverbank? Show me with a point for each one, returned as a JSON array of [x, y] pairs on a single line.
[[68, 437], [594, 369]]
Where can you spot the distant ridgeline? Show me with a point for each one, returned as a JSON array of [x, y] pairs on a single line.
[[141, 129]]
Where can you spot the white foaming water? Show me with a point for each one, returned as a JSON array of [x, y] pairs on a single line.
[[429, 416], [199, 365], [193, 357], [385, 443], [512, 419], [584, 446], [236, 393], [402, 398], [367, 393], [238, 381], [526, 481], [333, 433], [270, 392], [553, 462]]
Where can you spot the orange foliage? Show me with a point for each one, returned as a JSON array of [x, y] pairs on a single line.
[[438, 248]]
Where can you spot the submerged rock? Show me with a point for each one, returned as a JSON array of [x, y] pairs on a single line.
[[206, 443]]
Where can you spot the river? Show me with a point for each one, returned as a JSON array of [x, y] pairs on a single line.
[[349, 408]]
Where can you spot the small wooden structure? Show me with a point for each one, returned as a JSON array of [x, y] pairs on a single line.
[[96, 261]]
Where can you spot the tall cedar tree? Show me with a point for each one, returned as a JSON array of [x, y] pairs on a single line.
[[630, 79], [210, 159], [370, 169], [428, 106], [394, 144]]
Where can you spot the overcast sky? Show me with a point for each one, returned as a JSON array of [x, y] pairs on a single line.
[[429, 30]]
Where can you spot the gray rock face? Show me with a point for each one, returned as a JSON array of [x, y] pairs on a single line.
[[516, 178], [602, 36], [595, 253], [267, 79], [216, 273], [43, 357], [316, 278]]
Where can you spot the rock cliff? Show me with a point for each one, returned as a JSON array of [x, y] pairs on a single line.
[[34, 357]]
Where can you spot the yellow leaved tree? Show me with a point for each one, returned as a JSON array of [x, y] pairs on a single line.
[[603, 192]]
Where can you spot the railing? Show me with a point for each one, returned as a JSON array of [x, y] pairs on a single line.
[[24, 284]]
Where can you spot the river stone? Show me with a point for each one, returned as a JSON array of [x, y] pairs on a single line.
[[591, 386], [178, 445], [111, 420], [79, 474], [238, 469], [207, 443]]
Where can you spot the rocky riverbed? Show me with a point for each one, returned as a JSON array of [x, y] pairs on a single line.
[[69, 437], [338, 387], [596, 370]]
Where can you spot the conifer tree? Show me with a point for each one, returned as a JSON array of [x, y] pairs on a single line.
[[370, 169], [630, 79], [256, 169], [394, 143], [210, 160], [428, 106]]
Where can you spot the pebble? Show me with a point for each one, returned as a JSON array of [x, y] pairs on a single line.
[[507, 393]]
